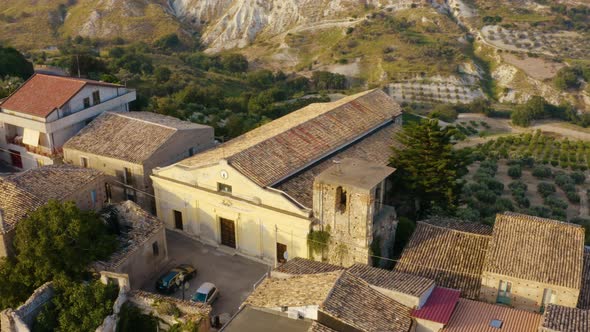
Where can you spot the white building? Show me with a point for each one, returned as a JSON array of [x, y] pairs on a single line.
[[38, 118]]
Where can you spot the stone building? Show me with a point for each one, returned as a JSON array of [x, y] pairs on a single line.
[[25, 192], [129, 145], [39, 117], [255, 195], [525, 262], [533, 262], [143, 248]]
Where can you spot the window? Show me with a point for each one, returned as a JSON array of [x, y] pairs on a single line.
[[155, 249], [340, 200], [84, 162], [224, 188], [191, 152], [127, 177], [504, 292], [178, 220], [93, 197], [86, 102], [96, 97]]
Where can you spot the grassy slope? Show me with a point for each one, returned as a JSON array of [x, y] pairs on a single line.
[[131, 19]]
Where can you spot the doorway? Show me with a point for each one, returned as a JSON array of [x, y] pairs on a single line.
[[178, 220], [16, 158], [281, 250], [228, 232]]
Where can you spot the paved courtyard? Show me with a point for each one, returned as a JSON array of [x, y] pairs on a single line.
[[234, 275]]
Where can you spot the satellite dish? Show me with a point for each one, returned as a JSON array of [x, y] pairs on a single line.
[[286, 256]]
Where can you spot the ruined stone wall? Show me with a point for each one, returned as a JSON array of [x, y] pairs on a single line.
[[21, 319], [6, 241]]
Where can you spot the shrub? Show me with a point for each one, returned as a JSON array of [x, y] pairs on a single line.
[[573, 196], [555, 202], [517, 185], [579, 221], [486, 196], [545, 189], [559, 214], [515, 171], [522, 201], [541, 171], [468, 213], [562, 180], [494, 185], [578, 177], [540, 211], [504, 204]]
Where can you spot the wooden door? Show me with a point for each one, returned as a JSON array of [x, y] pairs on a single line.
[[16, 159], [228, 232]]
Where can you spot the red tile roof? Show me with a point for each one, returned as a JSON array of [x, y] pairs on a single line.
[[42, 94], [473, 316], [439, 306]]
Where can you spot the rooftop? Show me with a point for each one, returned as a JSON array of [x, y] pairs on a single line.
[[439, 306], [565, 319], [136, 225], [401, 282], [123, 135], [355, 173], [375, 148], [250, 319], [24, 192], [474, 316], [317, 327], [43, 93], [584, 299], [353, 302], [301, 290], [537, 249], [453, 258], [303, 137], [299, 265]]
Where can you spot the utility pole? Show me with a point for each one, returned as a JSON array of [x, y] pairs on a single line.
[[78, 62]]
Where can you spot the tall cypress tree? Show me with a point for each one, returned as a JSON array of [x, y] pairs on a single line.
[[427, 166]]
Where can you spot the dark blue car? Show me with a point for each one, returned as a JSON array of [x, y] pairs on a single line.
[[170, 282]]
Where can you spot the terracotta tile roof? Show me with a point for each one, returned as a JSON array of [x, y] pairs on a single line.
[[536, 249], [450, 257], [353, 302], [27, 191], [439, 306], [474, 316], [299, 265], [43, 93], [300, 290], [317, 327], [15, 204], [565, 319], [401, 282], [461, 225], [276, 150], [375, 148], [132, 136], [584, 299]]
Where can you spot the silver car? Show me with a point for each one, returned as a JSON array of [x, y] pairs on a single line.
[[207, 293]]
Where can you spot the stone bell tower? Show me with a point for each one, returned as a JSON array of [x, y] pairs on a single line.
[[348, 202]]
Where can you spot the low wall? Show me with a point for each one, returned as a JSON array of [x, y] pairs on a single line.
[[21, 319]]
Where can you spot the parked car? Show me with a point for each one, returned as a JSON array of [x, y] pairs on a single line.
[[169, 282], [207, 293]]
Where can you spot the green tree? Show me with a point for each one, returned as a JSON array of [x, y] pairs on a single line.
[[13, 63], [77, 307], [56, 240], [234, 63], [427, 165]]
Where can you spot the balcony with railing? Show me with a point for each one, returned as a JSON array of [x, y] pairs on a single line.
[[39, 150]]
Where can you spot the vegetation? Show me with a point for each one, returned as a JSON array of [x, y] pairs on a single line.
[[130, 319], [77, 307], [427, 166], [318, 241], [55, 241], [540, 148], [13, 63], [570, 78]]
